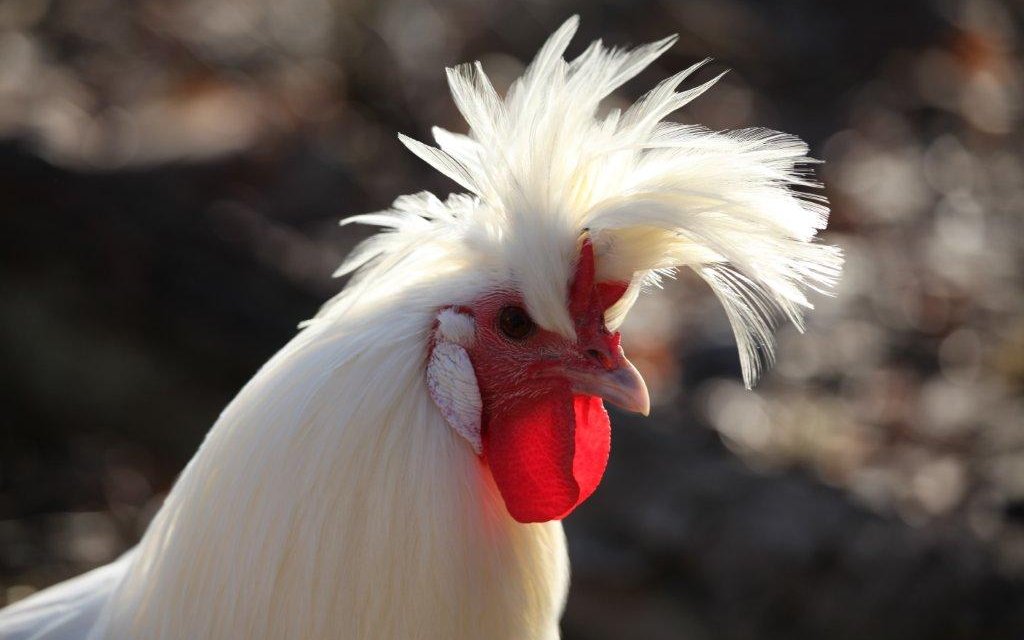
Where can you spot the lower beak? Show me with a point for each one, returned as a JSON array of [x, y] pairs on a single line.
[[623, 386]]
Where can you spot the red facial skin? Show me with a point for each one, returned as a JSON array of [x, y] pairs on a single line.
[[546, 447]]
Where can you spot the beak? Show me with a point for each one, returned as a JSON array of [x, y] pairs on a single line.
[[621, 384]]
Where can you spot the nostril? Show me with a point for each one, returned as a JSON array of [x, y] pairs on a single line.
[[599, 357]]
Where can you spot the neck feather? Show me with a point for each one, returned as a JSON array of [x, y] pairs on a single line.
[[332, 500]]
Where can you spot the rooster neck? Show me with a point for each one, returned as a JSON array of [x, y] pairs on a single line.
[[332, 500]]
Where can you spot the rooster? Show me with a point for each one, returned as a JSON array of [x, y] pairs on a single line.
[[400, 468]]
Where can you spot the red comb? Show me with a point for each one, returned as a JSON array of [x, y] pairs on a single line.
[[584, 292], [582, 289]]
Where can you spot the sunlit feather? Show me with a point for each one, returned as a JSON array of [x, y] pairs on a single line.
[[544, 170]]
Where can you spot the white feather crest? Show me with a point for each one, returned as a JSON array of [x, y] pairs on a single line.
[[543, 171]]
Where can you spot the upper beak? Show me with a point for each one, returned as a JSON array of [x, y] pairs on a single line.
[[621, 384]]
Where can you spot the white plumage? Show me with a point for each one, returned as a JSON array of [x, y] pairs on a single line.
[[541, 168], [331, 499]]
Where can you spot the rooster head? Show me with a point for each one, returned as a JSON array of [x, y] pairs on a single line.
[[535, 412], [568, 215]]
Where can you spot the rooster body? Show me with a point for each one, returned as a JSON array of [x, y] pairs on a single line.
[[399, 469]]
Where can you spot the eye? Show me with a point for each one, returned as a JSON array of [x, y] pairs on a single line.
[[515, 323]]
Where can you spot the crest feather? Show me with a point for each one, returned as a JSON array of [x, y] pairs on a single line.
[[544, 172]]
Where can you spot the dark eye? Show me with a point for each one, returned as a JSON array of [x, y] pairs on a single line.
[[515, 323]]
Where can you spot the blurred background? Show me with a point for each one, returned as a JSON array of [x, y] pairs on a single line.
[[171, 177]]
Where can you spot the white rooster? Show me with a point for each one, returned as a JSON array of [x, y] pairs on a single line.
[[399, 469]]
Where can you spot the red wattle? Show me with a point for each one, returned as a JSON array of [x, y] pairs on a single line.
[[548, 454], [593, 444]]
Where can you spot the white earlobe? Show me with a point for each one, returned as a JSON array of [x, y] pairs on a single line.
[[451, 379]]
